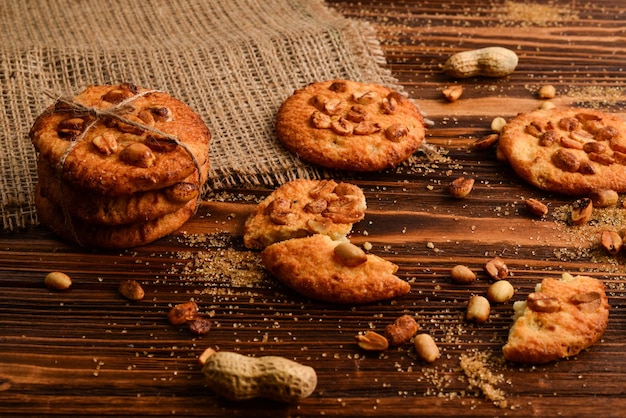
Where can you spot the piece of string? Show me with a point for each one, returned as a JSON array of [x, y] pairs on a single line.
[[115, 112]]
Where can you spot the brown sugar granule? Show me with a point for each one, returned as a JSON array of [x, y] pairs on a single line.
[[475, 365], [214, 259], [524, 14]]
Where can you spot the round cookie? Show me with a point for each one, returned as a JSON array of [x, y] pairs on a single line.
[[106, 236], [569, 151], [113, 157], [116, 210], [560, 319], [314, 268], [304, 207], [349, 125]]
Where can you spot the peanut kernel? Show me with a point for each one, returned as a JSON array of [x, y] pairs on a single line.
[[461, 187], [401, 330], [478, 309], [547, 91], [57, 280], [611, 241], [496, 268], [500, 291], [462, 274], [372, 341], [426, 348]]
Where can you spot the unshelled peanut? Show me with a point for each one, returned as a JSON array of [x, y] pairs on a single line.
[[493, 61], [238, 377]]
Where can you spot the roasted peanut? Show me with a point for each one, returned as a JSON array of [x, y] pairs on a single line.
[[342, 126], [500, 291], [539, 302], [364, 97], [138, 155], [581, 211], [57, 280], [182, 313], [604, 198], [488, 62], [461, 187], [478, 309], [401, 330], [160, 144], [320, 120], [536, 207], [485, 142], [496, 268], [547, 91], [372, 341], [566, 160], [238, 377], [131, 290], [497, 124], [349, 254], [396, 132], [106, 143], [452, 93], [199, 325], [611, 241], [426, 348], [462, 274]]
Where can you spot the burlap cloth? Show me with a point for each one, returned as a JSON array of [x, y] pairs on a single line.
[[232, 61]]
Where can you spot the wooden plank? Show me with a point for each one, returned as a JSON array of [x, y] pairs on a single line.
[[88, 351]]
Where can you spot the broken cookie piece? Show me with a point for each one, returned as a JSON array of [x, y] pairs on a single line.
[[560, 319], [320, 268], [302, 208]]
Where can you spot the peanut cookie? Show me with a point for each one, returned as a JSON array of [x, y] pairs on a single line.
[[560, 319], [106, 236], [348, 125], [123, 140], [115, 210], [333, 271], [569, 151], [305, 207]]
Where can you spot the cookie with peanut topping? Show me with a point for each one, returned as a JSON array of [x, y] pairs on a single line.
[[91, 207], [320, 268], [348, 125], [116, 140], [301, 208], [558, 320], [121, 236], [569, 151]]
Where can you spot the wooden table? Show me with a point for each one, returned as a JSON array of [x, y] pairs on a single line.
[[88, 351]]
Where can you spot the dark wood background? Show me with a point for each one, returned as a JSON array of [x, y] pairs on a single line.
[[88, 351]]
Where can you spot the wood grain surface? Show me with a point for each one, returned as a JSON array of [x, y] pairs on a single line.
[[88, 351]]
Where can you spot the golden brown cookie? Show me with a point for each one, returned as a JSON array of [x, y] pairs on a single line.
[[350, 125], [569, 151], [106, 236], [111, 156], [561, 318], [333, 271], [91, 207], [305, 207]]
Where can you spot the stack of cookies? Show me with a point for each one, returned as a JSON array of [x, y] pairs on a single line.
[[119, 166]]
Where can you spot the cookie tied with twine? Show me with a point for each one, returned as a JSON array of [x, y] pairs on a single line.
[[119, 166]]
